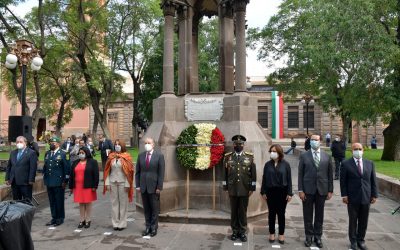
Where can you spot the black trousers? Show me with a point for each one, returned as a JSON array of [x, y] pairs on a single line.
[[276, 201], [338, 164], [56, 199], [358, 221], [151, 206], [239, 213], [21, 192], [317, 202]]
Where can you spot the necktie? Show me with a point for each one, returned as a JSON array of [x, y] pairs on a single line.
[[52, 154], [19, 155], [316, 159], [148, 160], [359, 167]]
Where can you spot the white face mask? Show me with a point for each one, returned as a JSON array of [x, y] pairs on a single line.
[[20, 145], [148, 147], [357, 154], [274, 155], [117, 148], [82, 156]]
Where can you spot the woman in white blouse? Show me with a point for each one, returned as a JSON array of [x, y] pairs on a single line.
[[118, 179]]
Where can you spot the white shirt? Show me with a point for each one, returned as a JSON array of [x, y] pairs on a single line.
[[361, 164], [239, 154]]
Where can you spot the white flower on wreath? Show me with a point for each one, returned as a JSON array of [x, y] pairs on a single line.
[[204, 132]]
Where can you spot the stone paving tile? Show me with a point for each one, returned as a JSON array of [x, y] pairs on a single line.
[[383, 229]]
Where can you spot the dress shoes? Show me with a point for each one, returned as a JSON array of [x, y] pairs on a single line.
[[353, 246], [234, 237], [308, 242], [153, 233], [146, 232], [50, 223], [243, 237], [87, 224], [81, 224], [362, 245], [318, 242]]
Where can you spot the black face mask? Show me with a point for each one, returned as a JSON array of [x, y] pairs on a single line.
[[238, 148], [52, 147]]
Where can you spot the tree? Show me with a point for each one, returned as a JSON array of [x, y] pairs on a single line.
[[132, 33], [336, 50]]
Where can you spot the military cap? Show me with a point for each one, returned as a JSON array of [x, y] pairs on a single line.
[[238, 139], [55, 139]]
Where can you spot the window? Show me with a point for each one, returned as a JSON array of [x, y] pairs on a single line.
[[112, 116], [263, 116], [293, 117], [310, 116]]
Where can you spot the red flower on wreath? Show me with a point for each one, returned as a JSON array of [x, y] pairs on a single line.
[[217, 152]]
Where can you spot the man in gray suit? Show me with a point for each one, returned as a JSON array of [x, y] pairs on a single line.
[[358, 189], [149, 178], [21, 170], [315, 186]]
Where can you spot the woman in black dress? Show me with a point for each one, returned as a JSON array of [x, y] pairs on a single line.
[[276, 189]]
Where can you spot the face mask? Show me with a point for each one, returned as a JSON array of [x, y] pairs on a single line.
[[90, 143], [20, 145], [238, 148], [274, 155], [337, 139], [315, 145], [52, 147], [82, 156], [68, 141], [117, 148], [357, 154], [148, 147]]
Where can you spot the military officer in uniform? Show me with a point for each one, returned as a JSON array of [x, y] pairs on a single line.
[[56, 174], [239, 180]]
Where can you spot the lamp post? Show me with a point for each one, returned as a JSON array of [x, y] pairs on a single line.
[[22, 53], [307, 99]]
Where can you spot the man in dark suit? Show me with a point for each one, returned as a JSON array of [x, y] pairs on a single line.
[[67, 145], [56, 171], [315, 186], [21, 170], [105, 147], [358, 189], [149, 178]]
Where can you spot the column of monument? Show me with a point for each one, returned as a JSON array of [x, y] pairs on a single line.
[[239, 7], [168, 63], [226, 36], [182, 23], [195, 53], [188, 43]]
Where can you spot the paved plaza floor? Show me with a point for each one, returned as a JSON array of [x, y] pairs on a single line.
[[383, 229]]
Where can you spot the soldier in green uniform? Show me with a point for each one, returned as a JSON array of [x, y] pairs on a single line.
[[239, 180], [55, 175]]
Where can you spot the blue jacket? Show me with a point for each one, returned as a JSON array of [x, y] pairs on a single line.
[[56, 169]]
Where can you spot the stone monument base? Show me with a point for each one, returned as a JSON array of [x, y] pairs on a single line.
[[240, 114]]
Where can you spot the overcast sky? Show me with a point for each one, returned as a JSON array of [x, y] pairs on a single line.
[[258, 14]]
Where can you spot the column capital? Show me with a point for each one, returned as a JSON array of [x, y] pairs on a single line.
[[226, 8], [168, 8], [240, 5]]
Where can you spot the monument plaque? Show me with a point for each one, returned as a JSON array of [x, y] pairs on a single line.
[[204, 108]]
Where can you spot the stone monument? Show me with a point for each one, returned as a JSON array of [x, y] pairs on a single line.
[[231, 108]]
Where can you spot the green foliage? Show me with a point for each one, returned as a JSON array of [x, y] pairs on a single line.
[[336, 50], [187, 155], [208, 55]]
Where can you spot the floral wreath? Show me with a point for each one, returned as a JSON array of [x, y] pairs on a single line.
[[200, 146]]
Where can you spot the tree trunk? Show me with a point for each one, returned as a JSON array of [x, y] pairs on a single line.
[[94, 128], [59, 123], [136, 117], [391, 134], [36, 114], [346, 123]]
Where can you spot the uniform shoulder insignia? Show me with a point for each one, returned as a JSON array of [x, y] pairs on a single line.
[[249, 153], [228, 154]]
